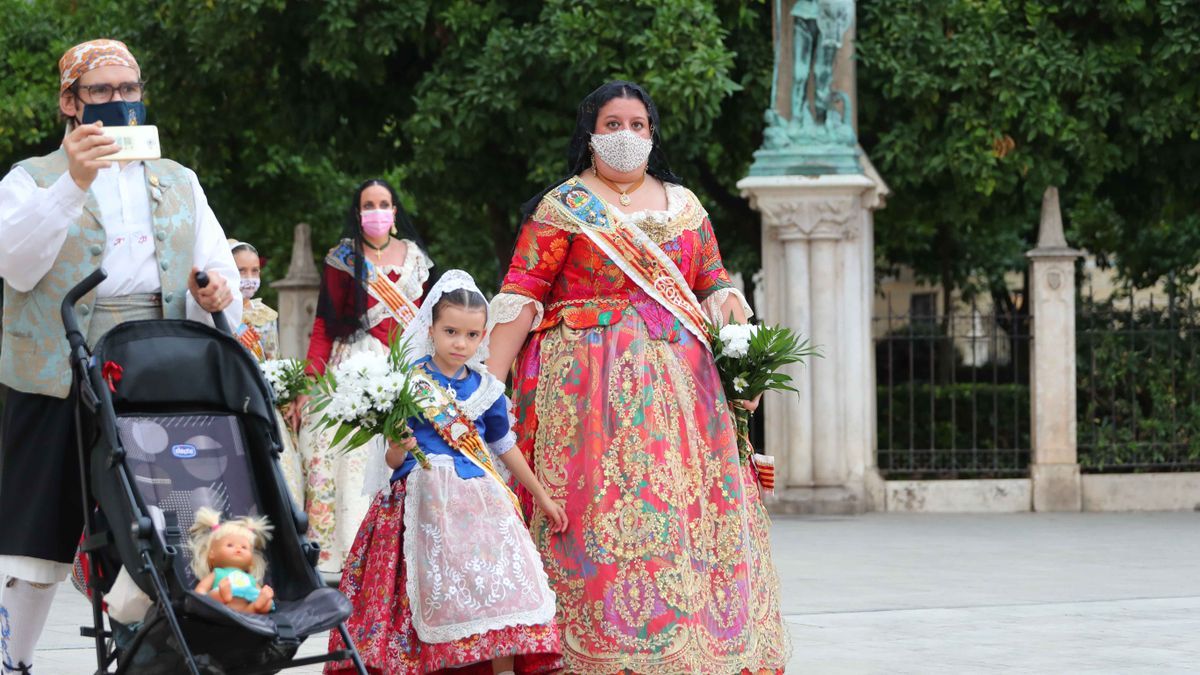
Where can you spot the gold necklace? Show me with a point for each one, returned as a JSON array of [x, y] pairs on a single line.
[[378, 249], [625, 200]]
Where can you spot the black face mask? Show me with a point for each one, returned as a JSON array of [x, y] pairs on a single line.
[[115, 113]]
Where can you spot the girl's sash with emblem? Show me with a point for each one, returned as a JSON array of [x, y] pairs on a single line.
[[460, 433], [638, 256], [379, 286]]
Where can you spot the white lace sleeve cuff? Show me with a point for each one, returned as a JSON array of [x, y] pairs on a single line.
[[507, 442], [500, 447], [506, 307], [713, 303]]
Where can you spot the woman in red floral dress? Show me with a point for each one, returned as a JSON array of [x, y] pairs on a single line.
[[619, 408]]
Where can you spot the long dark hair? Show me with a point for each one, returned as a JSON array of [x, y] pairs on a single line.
[[341, 320], [579, 156]]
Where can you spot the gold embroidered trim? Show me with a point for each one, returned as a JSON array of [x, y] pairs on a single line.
[[258, 314], [660, 228]]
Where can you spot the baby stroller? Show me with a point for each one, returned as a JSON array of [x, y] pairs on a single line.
[[174, 415]]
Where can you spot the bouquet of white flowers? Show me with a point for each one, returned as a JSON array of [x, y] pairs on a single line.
[[749, 358], [287, 378], [369, 395]]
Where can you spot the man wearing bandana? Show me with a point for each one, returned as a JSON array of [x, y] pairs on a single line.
[[148, 224]]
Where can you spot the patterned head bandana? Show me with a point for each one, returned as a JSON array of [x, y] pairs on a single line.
[[92, 55]]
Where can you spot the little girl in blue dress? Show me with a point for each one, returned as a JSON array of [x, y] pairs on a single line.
[[443, 574]]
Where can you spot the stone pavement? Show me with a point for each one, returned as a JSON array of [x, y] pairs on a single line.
[[1024, 593]]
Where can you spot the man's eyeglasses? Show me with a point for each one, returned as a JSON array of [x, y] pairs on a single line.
[[103, 93]]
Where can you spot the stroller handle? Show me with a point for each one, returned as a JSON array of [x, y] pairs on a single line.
[[70, 320], [218, 317]]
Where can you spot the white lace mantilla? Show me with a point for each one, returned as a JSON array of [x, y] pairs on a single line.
[[471, 565]]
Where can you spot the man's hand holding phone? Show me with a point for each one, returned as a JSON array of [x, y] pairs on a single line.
[[88, 150]]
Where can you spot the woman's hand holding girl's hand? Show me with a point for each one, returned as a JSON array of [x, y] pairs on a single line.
[[397, 452], [295, 412], [554, 511]]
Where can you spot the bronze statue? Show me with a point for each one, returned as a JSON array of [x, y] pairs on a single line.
[[818, 27], [818, 137]]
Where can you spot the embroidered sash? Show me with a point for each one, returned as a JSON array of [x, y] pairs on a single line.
[[251, 339], [638, 256], [459, 432], [379, 286]]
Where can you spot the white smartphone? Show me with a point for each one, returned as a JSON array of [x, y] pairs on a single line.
[[136, 142]]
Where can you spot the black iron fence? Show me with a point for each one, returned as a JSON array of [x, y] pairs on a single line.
[[953, 394], [1138, 383]]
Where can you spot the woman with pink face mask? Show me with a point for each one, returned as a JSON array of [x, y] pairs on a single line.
[[371, 288]]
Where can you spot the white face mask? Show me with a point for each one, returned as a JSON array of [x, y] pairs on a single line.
[[623, 150], [249, 287]]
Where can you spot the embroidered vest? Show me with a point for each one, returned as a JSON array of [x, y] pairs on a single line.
[[34, 354]]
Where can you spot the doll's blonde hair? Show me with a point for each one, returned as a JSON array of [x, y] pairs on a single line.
[[208, 528]]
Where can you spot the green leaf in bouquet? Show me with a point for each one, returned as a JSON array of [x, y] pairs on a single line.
[[361, 437], [343, 430], [316, 405], [295, 380]]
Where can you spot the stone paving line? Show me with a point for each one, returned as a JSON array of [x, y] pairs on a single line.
[[919, 593]]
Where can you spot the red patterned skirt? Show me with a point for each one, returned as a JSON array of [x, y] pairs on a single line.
[[381, 626], [666, 567]]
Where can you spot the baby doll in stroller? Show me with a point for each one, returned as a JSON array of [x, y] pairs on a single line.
[[229, 561]]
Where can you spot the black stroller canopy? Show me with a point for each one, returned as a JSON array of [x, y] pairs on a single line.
[[173, 365]]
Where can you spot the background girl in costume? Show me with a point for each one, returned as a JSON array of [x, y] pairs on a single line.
[[371, 285], [259, 330], [620, 409], [259, 334], [443, 573]]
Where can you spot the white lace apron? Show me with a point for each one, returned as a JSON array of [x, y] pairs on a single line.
[[471, 564]]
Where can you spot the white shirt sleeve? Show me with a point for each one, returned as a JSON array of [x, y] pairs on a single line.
[[33, 225], [212, 255]]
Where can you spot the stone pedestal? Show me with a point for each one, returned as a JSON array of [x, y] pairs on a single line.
[[298, 296], [1055, 467], [818, 279], [1056, 487]]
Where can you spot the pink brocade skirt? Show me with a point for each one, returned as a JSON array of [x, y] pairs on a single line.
[[381, 625], [666, 566]]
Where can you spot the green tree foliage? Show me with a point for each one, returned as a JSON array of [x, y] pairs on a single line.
[[971, 108], [509, 84], [467, 105], [30, 45]]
